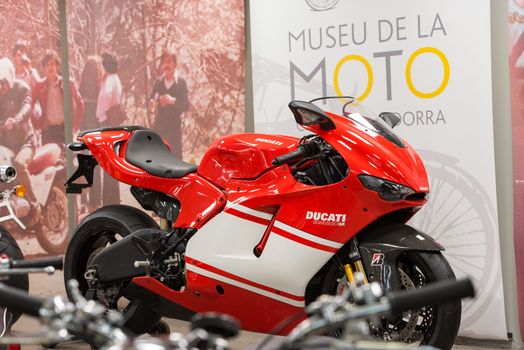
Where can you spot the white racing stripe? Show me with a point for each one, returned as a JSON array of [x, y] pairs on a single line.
[[251, 288], [285, 227], [307, 236], [226, 243], [246, 210]]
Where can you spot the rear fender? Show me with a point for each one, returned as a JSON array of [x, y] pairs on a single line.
[[380, 248]]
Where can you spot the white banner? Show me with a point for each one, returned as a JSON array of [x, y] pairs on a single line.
[[428, 61]]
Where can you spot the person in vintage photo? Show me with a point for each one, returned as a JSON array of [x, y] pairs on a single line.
[[50, 95], [89, 88], [23, 66], [16, 129], [169, 100], [110, 94], [109, 98], [90, 80]]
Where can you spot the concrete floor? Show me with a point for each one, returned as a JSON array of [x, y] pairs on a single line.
[[48, 285]]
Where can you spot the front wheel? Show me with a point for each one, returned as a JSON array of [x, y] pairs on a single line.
[[431, 325]]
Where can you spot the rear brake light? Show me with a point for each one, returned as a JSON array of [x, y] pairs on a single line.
[[77, 146]]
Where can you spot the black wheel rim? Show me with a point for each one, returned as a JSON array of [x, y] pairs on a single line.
[[97, 242]]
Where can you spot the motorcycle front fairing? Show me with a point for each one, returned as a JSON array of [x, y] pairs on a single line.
[[391, 158]]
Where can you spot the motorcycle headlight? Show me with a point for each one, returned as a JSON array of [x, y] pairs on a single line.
[[387, 190]]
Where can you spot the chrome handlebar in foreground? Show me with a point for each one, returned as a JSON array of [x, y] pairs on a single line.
[[101, 328], [85, 319], [93, 323], [329, 313], [10, 267]]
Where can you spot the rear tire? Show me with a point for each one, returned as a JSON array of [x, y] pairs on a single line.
[[9, 247], [430, 267], [115, 219]]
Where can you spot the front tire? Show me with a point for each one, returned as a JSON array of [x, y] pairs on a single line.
[[435, 326], [95, 232]]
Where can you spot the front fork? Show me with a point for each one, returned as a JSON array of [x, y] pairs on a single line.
[[354, 264]]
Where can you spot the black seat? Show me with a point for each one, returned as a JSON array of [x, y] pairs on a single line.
[[146, 150]]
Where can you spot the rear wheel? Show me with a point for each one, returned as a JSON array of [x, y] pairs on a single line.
[[431, 325], [97, 231]]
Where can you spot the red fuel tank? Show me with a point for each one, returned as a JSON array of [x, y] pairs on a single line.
[[243, 156]]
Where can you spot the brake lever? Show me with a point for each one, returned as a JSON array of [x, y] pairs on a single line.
[[30, 270], [7, 270]]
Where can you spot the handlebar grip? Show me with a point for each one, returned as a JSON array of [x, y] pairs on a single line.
[[434, 294], [56, 261], [20, 301], [288, 157]]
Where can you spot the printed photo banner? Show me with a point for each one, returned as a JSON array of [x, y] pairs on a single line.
[[430, 63], [33, 145], [119, 55]]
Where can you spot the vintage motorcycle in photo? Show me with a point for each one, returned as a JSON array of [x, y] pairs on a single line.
[[46, 176], [262, 227], [9, 248]]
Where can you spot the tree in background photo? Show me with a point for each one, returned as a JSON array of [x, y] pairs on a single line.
[[207, 39], [180, 71]]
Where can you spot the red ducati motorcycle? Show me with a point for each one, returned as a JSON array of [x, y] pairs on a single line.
[[264, 225]]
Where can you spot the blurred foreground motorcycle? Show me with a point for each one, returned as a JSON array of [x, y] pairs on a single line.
[[12, 270], [102, 329]]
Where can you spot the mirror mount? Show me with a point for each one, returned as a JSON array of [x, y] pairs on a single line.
[[307, 113], [390, 118]]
